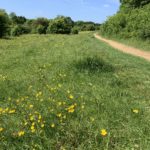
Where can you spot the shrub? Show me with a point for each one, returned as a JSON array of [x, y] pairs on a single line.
[[41, 29], [4, 23], [18, 30], [60, 25], [86, 26], [39, 25], [17, 19], [74, 31], [132, 24]]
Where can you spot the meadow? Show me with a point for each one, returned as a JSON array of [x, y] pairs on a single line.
[[67, 92]]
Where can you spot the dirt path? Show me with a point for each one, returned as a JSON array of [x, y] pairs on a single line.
[[125, 49]]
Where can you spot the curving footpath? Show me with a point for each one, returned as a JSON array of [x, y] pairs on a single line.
[[124, 48]]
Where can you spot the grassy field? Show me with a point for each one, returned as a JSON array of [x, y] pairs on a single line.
[[67, 92]]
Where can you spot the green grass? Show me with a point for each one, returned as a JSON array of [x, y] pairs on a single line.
[[42, 76]]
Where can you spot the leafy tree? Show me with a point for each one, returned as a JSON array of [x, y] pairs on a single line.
[[19, 30], [130, 22], [134, 3], [41, 29], [40, 25], [86, 26], [60, 25], [4, 23], [17, 19], [16, 30]]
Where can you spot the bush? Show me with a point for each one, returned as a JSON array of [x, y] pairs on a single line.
[[16, 31], [41, 29], [60, 25], [40, 25], [4, 23], [87, 26], [74, 31], [17, 19], [19, 30]]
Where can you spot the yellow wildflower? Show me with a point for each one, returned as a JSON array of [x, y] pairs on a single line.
[[59, 115], [103, 132], [33, 123], [38, 94], [31, 118], [42, 125], [135, 111], [71, 96], [71, 110], [30, 106], [52, 125], [40, 117], [1, 129], [32, 127], [33, 130], [12, 111], [25, 123], [21, 133]]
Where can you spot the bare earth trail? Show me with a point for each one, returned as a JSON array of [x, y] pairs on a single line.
[[124, 48]]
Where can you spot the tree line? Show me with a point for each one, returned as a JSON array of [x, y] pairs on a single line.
[[131, 21], [13, 25]]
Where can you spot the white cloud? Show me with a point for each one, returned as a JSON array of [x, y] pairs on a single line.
[[106, 5]]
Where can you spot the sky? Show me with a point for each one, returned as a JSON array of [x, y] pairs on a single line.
[[86, 10]]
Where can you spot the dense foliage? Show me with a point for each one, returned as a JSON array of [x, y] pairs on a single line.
[[74, 30], [132, 20], [4, 23], [60, 25], [17, 25], [39, 25], [134, 3], [87, 26]]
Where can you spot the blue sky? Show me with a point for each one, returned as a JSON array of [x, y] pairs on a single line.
[[87, 10]]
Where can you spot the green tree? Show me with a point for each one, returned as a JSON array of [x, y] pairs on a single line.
[[4, 23], [134, 3], [17, 19], [40, 25], [19, 30], [132, 20], [41, 29], [60, 25]]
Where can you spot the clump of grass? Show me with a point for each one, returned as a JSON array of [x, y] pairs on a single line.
[[94, 64]]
